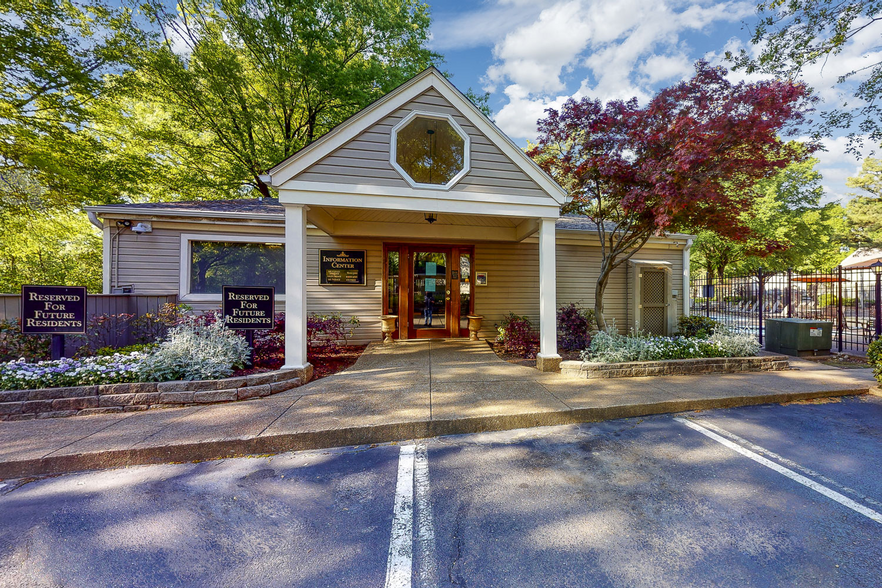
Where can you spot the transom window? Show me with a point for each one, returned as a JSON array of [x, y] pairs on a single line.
[[430, 150]]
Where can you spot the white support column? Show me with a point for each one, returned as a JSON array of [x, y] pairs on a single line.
[[548, 360], [295, 287], [687, 290]]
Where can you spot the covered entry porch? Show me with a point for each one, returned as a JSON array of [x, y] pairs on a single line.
[[430, 271]]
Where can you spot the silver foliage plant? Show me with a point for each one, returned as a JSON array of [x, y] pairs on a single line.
[[196, 352], [611, 347]]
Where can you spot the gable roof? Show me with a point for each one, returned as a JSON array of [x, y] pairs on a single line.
[[378, 110]]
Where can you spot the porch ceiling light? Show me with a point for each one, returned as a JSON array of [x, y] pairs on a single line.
[[431, 217], [429, 150]]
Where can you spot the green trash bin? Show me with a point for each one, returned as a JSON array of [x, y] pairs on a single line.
[[798, 337]]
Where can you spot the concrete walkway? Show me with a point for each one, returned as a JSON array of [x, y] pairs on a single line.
[[409, 390]]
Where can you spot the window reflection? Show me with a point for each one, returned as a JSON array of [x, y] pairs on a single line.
[[430, 150]]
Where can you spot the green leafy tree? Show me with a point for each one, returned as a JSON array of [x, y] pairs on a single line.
[[252, 81], [55, 56], [789, 228], [55, 246], [864, 213], [795, 33]]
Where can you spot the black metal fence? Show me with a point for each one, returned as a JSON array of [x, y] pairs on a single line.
[[847, 297]]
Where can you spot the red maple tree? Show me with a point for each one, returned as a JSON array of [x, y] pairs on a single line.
[[688, 160]]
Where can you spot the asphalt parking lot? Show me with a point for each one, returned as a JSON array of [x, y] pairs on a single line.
[[760, 496]]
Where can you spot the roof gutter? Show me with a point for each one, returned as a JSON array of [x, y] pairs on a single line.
[[138, 212]]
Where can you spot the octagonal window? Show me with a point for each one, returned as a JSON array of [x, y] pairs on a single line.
[[430, 151]]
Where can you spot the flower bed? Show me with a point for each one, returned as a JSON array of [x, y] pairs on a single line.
[[633, 369], [127, 397], [610, 347]]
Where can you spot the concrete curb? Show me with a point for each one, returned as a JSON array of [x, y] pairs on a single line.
[[270, 444]]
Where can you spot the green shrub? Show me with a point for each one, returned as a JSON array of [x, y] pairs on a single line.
[[874, 356], [828, 300], [196, 352], [611, 347], [696, 326], [110, 351]]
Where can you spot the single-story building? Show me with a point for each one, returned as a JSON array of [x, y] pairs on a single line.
[[417, 206]]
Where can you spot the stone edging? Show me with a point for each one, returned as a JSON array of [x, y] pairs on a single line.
[[19, 405], [673, 367]]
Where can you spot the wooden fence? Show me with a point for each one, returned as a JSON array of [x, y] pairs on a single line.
[[97, 305]]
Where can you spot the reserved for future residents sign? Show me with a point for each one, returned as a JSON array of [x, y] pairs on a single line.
[[249, 307], [55, 310]]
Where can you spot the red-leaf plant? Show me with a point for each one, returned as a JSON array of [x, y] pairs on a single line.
[[688, 160]]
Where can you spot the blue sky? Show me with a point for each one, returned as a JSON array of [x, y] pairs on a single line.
[[532, 54]]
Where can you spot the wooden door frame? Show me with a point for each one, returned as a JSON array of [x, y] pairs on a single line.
[[406, 329]]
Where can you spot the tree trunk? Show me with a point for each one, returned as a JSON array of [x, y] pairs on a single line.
[[599, 289], [264, 189]]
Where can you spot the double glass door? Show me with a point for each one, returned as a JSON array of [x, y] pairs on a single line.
[[430, 289]]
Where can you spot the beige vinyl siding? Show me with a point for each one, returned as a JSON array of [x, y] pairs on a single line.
[[578, 267], [365, 159], [150, 262], [512, 283], [513, 280], [365, 302]]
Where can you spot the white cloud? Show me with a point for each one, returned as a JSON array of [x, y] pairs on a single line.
[[518, 118], [533, 56], [612, 49]]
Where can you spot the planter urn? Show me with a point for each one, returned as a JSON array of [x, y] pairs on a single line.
[[388, 327], [474, 325]]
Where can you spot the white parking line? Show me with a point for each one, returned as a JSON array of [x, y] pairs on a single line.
[[399, 566], [832, 494], [425, 535]]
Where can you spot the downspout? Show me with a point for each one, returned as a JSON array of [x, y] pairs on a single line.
[[687, 290], [93, 218]]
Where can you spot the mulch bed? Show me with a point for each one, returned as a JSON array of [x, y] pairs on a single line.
[[527, 359], [842, 361], [324, 362]]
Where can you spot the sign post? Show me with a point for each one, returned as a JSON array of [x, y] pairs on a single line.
[[249, 308], [53, 310]]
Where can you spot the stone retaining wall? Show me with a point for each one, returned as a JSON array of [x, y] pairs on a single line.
[[674, 367], [17, 405]]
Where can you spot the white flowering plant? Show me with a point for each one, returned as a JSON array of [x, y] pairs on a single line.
[[195, 351], [113, 369], [611, 347], [192, 351]]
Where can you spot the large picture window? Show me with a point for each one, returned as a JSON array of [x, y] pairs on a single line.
[[212, 264]]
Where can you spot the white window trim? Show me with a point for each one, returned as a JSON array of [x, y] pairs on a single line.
[[186, 240], [393, 149]]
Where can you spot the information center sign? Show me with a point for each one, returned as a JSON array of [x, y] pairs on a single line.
[[55, 310], [249, 307], [341, 268]]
